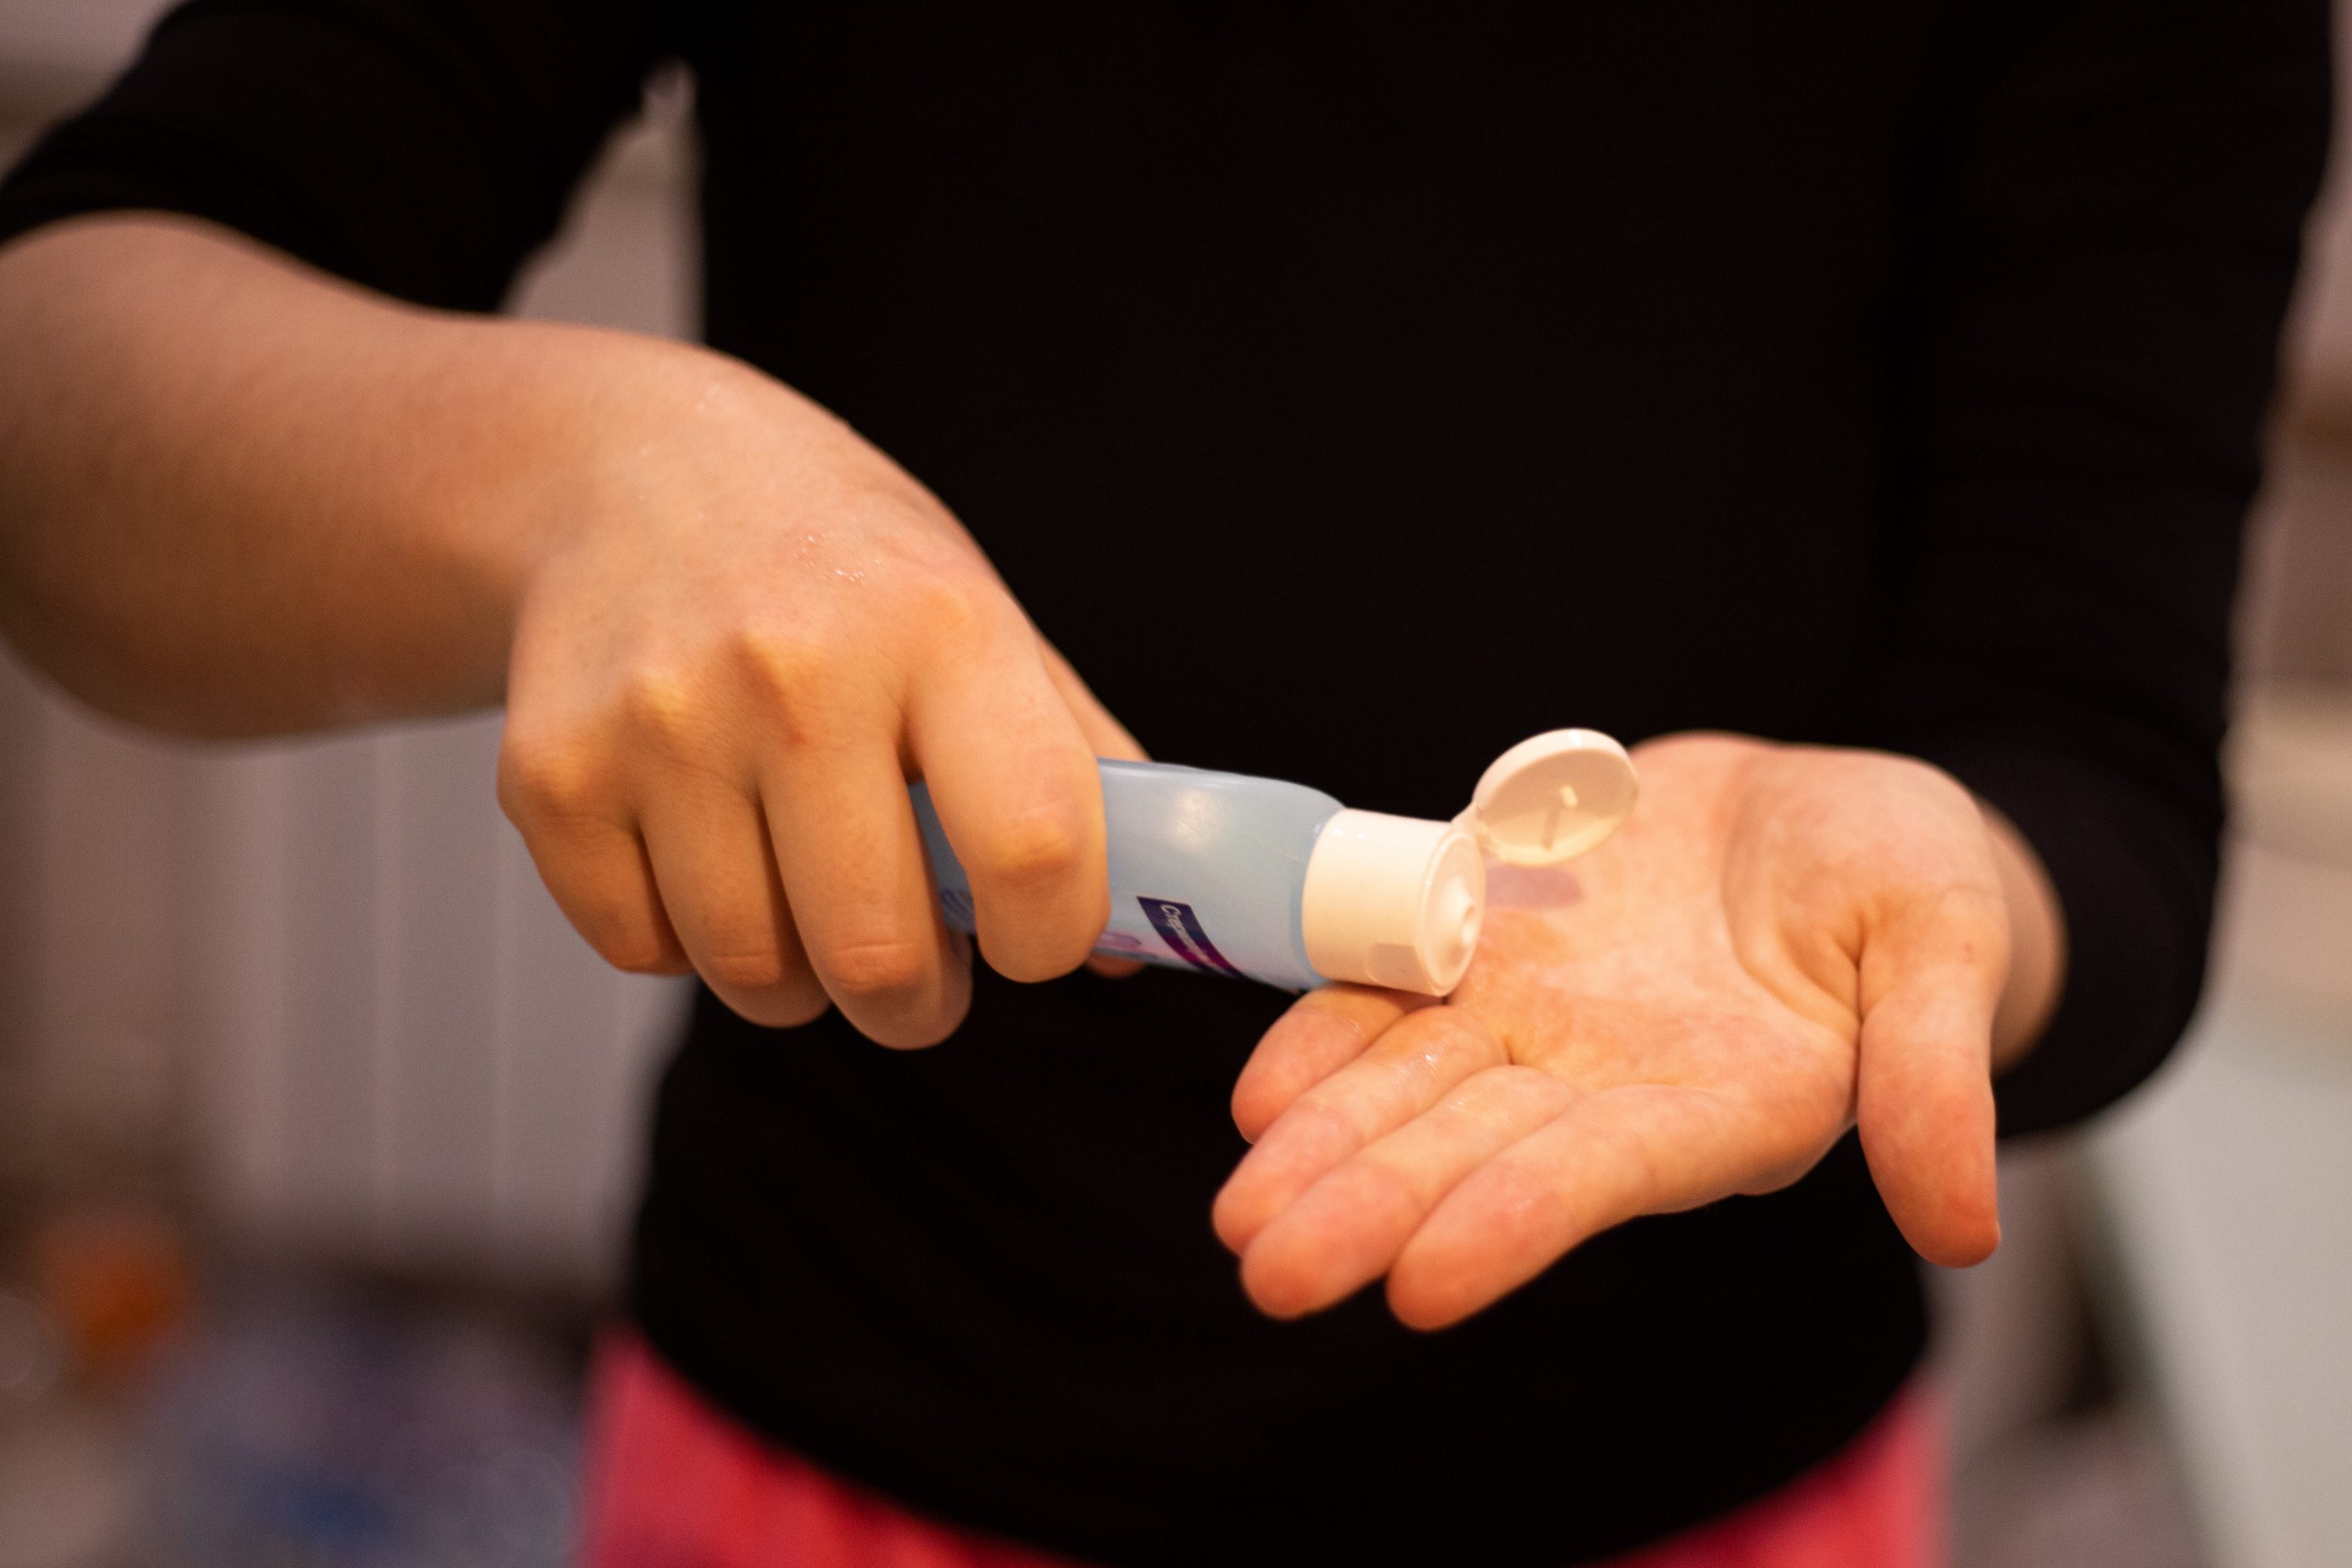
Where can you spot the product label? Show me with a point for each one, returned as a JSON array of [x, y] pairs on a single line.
[[1179, 928]]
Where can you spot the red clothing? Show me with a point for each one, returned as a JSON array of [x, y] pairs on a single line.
[[675, 1483]]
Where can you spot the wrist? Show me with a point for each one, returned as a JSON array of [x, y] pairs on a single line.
[[562, 436]]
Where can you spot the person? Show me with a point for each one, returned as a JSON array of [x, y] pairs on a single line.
[[1857, 403]]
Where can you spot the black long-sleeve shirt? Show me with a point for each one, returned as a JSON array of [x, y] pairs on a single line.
[[1351, 390]]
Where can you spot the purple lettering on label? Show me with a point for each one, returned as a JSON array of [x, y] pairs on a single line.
[[1179, 928]]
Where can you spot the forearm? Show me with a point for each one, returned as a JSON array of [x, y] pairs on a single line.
[[237, 497]]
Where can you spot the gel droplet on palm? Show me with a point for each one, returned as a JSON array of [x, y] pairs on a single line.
[[1257, 879]]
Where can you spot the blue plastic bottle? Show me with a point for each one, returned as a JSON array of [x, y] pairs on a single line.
[[1257, 879]]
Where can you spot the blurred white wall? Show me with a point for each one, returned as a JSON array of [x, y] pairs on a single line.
[[2216, 1205]]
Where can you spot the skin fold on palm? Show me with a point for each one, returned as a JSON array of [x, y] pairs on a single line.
[[1782, 940]]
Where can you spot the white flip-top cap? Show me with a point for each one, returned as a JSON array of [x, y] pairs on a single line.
[[1551, 798], [1393, 901], [1399, 901]]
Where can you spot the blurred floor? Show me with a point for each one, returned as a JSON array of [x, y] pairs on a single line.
[[2094, 1490], [302, 1421], [2055, 1463], [301, 1416]]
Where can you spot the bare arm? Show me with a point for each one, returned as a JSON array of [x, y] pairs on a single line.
[[239, 497]]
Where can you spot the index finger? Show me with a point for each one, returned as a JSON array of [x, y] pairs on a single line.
[[1323, 1032]]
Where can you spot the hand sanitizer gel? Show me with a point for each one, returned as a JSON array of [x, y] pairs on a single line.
[[1260, 879]]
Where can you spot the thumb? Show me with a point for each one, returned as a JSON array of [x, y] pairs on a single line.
[[1930, 982]]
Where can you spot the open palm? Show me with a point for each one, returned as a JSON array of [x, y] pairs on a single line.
[[1781, 941]]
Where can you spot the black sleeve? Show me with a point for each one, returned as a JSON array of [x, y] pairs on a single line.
[[2110, 222], [420, 147]]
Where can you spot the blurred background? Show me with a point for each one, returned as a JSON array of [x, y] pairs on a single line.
[[319, 1127]]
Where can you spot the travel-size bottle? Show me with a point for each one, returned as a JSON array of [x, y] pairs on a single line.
[[1260, 879]]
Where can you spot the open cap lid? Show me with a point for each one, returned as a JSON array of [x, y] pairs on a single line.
[[1551, 798]]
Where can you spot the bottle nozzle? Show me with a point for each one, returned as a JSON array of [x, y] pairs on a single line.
[[1395, 901]]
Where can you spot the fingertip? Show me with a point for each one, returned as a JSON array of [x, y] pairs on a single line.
[[1926, 1112], [1231, 1218], [1966, 1233], [1956, 1244], [782, 1007], [1248, 1201], [1418, 1309], [905, 1040], [1466, 1256], [1942, 1193], [895, 1039], [1276, 1287], [917, 1024], [1428, 1290], [1310, 1260], [1283, 1066], [668, 960], [1974, 1247], [1257, 1107], [1275, 1174]]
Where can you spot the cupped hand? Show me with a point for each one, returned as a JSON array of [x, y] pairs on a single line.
[[749, 632], [1781, 941]]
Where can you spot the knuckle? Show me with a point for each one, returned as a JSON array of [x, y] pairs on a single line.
[[956, 601], [1930, 779], [798, 680], [780, 666], [1041, 850], [876, 971], [658, 703], [542, 780], [1929, 788]]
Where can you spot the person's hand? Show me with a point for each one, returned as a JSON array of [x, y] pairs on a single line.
[[748, 630], [1782, 940], [249, 499]]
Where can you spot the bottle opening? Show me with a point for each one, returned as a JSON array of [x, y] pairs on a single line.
[[1395, 901]]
